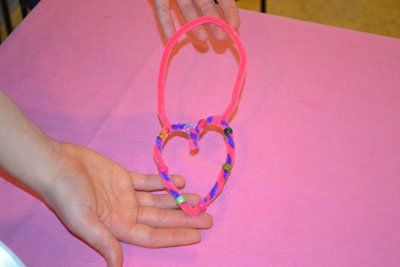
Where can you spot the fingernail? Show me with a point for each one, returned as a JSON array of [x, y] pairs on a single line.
[[201, 34], [220, 34]]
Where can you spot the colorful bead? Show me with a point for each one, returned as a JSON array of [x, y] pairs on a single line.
[[228, 130], [202, 123], [163, 135], [227, 167], [179, 200], [187, 128], [193, 132]]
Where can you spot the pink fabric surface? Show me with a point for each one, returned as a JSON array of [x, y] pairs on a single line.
[[317, 175]]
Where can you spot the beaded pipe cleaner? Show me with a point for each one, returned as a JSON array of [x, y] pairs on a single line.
[[220, 121]]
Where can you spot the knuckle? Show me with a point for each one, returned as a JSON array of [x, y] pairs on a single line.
[[187, 6], [151, 200], [206, 5]]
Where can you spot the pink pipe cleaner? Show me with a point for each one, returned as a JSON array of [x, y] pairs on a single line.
[[220, 121]]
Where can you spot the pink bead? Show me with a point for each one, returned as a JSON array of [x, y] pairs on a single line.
[[202, 123]]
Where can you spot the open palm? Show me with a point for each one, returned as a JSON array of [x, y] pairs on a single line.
[[101, 202]]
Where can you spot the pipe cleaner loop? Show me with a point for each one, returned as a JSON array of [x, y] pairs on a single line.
[[194, 133]]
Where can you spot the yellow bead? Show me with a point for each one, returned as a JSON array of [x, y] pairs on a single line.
[[163, 135], [227, 167]]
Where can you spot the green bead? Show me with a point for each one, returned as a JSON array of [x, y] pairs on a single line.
[[179, 200], [227, 167], [228, 130]]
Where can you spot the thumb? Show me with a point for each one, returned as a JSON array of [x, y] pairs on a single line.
[[97, 235]]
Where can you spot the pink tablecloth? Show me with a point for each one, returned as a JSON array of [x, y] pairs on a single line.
[[317, 180]]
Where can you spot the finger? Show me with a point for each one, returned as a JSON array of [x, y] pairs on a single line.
[[97, 235], [161, 218], [164, 201], [153, 182], [164, 17], [189, 12], [231, 12], [208, 8], [146, 236]]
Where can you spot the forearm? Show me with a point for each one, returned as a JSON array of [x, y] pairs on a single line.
[[25, 152]]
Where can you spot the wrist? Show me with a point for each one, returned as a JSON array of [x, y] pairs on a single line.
[[48, 168], [26, 153]]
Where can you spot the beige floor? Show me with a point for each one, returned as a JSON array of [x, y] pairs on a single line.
[[375, 16]]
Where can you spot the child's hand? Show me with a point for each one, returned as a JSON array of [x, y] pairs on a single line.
[[189, 12], [95, 198], [101, 202]]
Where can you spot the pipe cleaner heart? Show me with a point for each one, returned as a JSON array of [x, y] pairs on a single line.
[[194, 134], [194, 137]]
